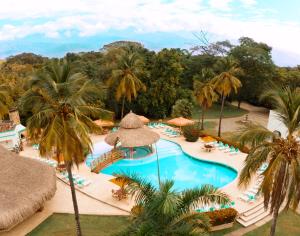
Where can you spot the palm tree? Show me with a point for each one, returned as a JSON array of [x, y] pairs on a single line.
[[125, 76], [58, 100], [205, 96], [226, 82], [165, 211], [281, 184]]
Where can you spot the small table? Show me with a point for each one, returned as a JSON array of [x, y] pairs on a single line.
[[208, 147]]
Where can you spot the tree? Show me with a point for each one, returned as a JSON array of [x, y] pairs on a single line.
[[205, 96], [255, 60], [125, 76], [165, 211], [226, 82], [282, 177], [58, 101], [182, 108]]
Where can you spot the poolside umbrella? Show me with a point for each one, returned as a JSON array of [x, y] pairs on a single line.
[[180, 121], [104, 123], [25, 185], [144, 119]]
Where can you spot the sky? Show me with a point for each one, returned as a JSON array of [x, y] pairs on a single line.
[[54, 27]]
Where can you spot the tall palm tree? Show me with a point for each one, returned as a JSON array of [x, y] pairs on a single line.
[[58, 100], [165, 211], [282, 177], [205, 96], [125, 76], [226, 82]]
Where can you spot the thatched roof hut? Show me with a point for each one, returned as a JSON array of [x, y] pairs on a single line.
[[25, 185], [132, 133]]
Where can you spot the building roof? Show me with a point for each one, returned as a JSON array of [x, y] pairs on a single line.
[[25, 185]]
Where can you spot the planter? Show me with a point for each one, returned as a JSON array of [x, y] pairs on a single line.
[[220, 227]]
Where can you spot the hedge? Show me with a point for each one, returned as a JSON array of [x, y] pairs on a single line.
[[223, 216]]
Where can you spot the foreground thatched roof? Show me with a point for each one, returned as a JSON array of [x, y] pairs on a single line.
[[132, 133], [25, 185]]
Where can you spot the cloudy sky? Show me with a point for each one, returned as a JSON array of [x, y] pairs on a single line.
[[53, 27]]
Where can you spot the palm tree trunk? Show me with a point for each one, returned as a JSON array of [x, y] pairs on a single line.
[[239, 104], [123, 102], [78, 228], [202, 118], [274, 220], [221, 115], [157, 164]]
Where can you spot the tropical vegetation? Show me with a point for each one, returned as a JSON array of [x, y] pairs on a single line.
[[281, 183], [58, 104], [164, 211]]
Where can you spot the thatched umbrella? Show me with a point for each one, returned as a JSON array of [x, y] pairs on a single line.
[[25, 185], [132, 133], [180, 121], [104, 123], [144, 119]]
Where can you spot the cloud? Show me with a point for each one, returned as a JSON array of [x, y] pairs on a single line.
[[57, 18]]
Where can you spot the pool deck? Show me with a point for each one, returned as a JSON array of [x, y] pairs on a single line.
[[96, 198]]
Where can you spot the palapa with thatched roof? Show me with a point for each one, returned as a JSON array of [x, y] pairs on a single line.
[[132, 133], [25, 185]]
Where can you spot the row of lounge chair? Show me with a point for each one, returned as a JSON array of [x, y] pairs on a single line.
[[251, 194], [215, 207], [50, 162], [156, 125], [78, 180], [171, 133], [225, 147]]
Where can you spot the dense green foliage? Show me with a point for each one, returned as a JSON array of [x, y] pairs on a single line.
[[161, 78], [191, 132], [183, 108]]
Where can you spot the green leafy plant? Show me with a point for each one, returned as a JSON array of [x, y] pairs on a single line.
[[182, 108], [191, 133]]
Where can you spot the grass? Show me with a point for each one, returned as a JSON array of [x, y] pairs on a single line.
[[92, 225], [288, 224], [236, 226], [214, 112]]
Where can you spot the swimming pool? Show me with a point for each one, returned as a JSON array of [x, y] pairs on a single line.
[[174, 164]]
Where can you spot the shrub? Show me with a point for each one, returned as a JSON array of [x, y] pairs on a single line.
[[191, 133], [223, 216], [182, 108]]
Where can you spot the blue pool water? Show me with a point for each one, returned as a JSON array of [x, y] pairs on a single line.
[[174, 164]]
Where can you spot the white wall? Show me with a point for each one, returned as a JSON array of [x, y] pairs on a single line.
[[274, 124]]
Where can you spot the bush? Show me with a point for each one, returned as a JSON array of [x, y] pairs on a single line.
[[223, 216], [191, 133], [182, 108]]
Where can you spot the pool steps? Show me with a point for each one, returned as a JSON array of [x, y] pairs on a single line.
[[253, 215]]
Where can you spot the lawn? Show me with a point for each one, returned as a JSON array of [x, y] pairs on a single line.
[[288, 224], [92, 225], [236, 226], [214, 112]]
